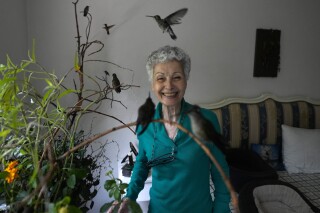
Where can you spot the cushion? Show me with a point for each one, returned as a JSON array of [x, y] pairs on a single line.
[[273, 196], [279, 199], [270, 153], [301, 149]]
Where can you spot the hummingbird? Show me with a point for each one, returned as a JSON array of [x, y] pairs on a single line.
[[174, 18], [85, 11], [116, 83], [204, 129], [145, 114], [107, 28]]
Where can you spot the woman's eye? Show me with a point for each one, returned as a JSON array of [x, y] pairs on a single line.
[[160, 79], [177, 77]]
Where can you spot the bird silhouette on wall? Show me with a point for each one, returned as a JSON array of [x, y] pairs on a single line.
[[116, 83], [145, 114], [107, 28], [85, 11], [172, 19]]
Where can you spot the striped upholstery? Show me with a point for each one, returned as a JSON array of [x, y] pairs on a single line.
[[245, 123]]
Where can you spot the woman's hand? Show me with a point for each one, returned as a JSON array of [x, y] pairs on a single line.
[[123, 206]]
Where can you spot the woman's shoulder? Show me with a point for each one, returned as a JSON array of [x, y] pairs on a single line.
[[205, 112]]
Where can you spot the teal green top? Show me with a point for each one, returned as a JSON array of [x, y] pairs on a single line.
[[181, 185]]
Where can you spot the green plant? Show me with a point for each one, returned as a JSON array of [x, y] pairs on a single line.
[[116, 189], [41, 167]]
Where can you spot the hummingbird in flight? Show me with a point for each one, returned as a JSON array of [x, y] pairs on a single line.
[[107, 28], [116, 83], [145, 114], [172, 19], [204, 129]]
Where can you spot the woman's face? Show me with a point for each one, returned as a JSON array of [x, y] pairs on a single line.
[[169, 83]]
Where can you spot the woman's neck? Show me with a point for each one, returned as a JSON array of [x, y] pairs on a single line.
[[171, 113]]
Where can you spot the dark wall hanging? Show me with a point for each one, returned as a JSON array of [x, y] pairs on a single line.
[[267, 53]]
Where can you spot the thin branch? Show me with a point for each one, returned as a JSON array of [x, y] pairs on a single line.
[[88, 28], [92, 139], [109, 62], [77, 24], [101, 113], [96, 42]]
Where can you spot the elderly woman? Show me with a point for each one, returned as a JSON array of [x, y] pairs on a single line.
[[180, 168]]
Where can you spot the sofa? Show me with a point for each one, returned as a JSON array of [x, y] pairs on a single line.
[[284, 132]]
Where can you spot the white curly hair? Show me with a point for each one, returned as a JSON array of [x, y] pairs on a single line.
[[165, 54]]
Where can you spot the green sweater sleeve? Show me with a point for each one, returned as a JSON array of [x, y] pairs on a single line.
[[139, 174], [221, 192]]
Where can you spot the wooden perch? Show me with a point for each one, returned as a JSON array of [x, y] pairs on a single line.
[[225, 178]]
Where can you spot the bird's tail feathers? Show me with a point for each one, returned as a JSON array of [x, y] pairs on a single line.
[[171, 33]]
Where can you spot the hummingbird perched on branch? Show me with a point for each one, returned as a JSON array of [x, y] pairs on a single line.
[[204, 129], [174, 18], [145, 114], [116, 83], [85, 11]]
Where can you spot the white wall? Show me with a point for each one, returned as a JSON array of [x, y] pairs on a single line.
[[13, 30], [219, 35]]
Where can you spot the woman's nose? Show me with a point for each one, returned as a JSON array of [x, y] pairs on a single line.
[[169, 84]]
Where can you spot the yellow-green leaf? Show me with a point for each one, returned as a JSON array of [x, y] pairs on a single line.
[[4, 133]]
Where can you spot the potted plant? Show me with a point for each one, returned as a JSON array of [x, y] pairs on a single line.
[[45, 165]]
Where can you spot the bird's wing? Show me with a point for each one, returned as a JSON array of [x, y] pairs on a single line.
[[115, 82], [108, 27], [175, 17]]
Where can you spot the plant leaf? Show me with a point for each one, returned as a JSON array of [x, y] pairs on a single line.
[[79, 173], [123, 186], [71, 182], [117, 194], [4, 133], [4, 174], [66, 92], [108, 184]]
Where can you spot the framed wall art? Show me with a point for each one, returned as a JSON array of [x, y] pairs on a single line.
[[267, 53]]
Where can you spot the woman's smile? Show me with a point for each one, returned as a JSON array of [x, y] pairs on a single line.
[[170, 94]]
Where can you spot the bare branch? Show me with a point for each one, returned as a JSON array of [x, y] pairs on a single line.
[[109, 62], [225, 178], [96, 42], [101, 113], [92, 139]]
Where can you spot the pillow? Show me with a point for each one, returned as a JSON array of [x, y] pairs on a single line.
[[269, 153], [300, 148]]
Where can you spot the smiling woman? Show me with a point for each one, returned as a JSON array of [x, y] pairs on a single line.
[[180, 168]]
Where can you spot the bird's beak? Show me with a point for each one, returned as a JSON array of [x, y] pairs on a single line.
[[192, 109], [150, 16], [188, 111]]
